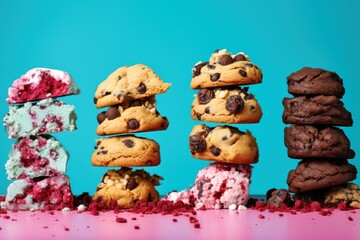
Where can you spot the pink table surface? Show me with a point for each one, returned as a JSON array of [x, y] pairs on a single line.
[[214, 224]]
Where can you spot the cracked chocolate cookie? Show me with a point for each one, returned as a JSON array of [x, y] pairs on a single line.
[[126, 151], [315, 81], [127, 83], [138, 115], [226, 105], [348, 193], [125, 187], [314, 174], [318, 110], [225, 69], [223, 144], [306, 141]]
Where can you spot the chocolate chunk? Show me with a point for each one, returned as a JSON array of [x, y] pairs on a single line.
[[224, 138], [215, 77], [234, 130], [207, 110], [101, 117], [141, 88], [249, 96], [239, 57], [226, 60], [105, 93], [128, 97], [133, 124], [216, 51], [215, 151], [212, 67], [112, 113], [197, 68], [102, 152], [95, 100], [234, 104], [205, 95], [128, 143], [250, 65], [119, 78], [198, 116], [136, 103], [197, 144], [131, 184], [279, 197], [242, 73], [206, 132]]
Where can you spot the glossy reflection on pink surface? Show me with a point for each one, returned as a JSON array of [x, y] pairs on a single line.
[[214, 224]]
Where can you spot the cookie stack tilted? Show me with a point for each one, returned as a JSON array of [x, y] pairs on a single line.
[[315, 111], [129, 93], [37, 161], [220, 99]]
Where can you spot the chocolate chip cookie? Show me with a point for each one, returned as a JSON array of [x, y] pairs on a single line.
[[225, 69], [306, 141], [223, 144], [126, 151], [314, 174], [127, 83], [315, 81], [126, 187], [226, 105], [348, 193], [138, 115], [319, 110]]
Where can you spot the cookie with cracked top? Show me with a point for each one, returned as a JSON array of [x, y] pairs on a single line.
[[223, 144], [225, 69], [126, 151], [318, 110], [315, 81], [127, 83], [312, 174], [306, 141], [226, 105]]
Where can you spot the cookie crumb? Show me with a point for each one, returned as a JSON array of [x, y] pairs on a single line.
[[121, 220], [350, 218], [137, 227]]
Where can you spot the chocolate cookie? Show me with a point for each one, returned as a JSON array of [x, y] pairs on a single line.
[[138, 115], [315, 81], [226, 105], [125, 187], [128, 83], [126, 151], [317, 174], [305, 141], [223, 144], [320, 110], [224, 69]]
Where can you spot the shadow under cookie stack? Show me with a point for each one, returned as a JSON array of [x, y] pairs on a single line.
[[324, 173], [220, 99], [37, 161], [129, 93]]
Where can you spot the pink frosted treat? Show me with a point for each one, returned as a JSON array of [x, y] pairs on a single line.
[[36, 156], [46, 116], [40, 83], [220, 185], [52, 193]]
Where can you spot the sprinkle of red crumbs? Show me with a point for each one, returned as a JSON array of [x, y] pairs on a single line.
[[197, 225], [174, 220], [121, 220], [137, 227], [66, 229], [350, 218], [261, 216]]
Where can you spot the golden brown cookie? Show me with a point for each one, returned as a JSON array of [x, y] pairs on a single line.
[[226, 105], [126, 187], [128, 83], [223, 144], [138, 115], [349, 194], [126, 151], [224, 69]]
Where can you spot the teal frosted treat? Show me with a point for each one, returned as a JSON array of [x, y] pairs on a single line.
[[36, 156], [45, 116]]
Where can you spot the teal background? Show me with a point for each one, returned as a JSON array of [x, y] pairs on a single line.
[[90, 39]]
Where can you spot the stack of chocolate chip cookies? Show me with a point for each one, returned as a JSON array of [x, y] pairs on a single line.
[[37, 161], [220, 99], [129, 93], [314, 111]]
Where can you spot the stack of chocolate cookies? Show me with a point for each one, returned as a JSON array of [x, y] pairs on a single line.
[[37, 161], [220, 99], [129, 93], [314, 112]]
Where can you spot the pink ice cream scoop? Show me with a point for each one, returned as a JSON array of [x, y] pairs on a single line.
[[217, 186], [41, 83]]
